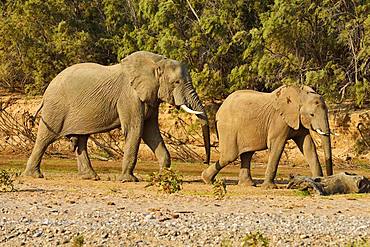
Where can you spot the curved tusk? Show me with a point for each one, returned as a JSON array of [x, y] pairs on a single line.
[[187, 109], [321, 133]]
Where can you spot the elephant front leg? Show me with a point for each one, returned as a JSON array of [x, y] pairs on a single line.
[[85, 169], [274, 157], [245, 177], [131, 149], [152, 137], [308, 149]]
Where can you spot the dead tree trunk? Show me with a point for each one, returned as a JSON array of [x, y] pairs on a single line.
[[342, 183]]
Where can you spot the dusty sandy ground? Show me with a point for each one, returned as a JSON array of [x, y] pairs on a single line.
[[55, 210]]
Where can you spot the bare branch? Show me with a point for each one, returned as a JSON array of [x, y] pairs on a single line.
[[192, 10]]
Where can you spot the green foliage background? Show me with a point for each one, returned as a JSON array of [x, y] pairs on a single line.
[[228, 45]]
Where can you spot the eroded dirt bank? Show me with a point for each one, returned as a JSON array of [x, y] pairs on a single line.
[[55, 210]]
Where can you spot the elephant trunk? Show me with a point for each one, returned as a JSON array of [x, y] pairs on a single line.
[[326, 144], [194, 103]]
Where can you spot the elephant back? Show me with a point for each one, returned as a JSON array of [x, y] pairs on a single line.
[[242, 103]]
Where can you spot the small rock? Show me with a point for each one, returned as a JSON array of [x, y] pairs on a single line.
[[45, 222], [37, 234], [66, 241], [149, 217]]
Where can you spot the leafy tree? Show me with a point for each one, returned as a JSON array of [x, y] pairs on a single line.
[[319, 43], [228, 45], [41, 38]]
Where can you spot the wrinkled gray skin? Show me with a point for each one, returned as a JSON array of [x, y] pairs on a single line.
[[250, 121], [90, 98]]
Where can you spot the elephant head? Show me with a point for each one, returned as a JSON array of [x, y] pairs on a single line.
[[159, 79], [303, 106]]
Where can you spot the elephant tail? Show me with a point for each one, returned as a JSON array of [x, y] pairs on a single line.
[[31, 120], [216, 130], [38, 110]]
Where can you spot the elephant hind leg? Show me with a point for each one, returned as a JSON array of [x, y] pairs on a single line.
[[228, 153], [85, 169], [245, 177], [44, 138], [209, 174]]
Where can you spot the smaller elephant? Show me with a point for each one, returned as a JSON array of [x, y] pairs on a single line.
[[249, 121]]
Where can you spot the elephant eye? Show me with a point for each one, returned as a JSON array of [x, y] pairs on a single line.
[[311, 114], [177, 82]]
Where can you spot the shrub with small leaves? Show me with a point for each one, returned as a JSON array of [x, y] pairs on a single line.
[[226, 243], [7, 180], [166, 180], [305, 192], [78, 240], [362, 242], [219, 188], [255, 239]]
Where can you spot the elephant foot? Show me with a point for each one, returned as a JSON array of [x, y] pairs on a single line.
[[35, 173], [269, 185], [207, 176], [127, 178], [246, 182], [89, 176]]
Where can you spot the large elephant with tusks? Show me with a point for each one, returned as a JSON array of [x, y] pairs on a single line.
[[90, 98]]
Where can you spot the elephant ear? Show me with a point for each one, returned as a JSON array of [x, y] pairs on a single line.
[[307, 89], [287, 103], [142, 72]]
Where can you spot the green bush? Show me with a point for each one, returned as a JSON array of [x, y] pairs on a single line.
[[219, 188], [78, 240], [362, 242], [255, 239], [7, 180], [166, 180]]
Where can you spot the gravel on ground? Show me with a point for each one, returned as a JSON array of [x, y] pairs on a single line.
[[63, 212]]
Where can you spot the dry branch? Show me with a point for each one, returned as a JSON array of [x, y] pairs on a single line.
[[17, 132]]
